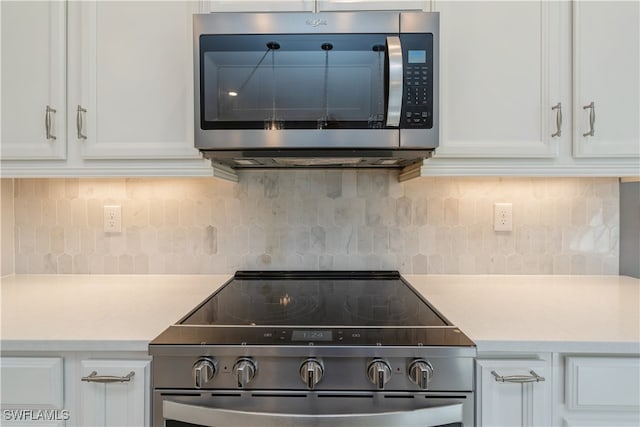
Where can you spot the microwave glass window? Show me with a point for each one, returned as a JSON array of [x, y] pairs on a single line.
[[297, 82], [310, 81]]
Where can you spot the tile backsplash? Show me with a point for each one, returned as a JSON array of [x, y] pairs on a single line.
[[317, 220]]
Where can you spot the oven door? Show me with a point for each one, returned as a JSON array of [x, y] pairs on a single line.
[[336, 409]]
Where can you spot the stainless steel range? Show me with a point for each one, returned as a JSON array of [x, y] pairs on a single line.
[[314, 349]]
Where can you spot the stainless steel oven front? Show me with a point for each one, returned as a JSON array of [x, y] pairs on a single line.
[[313, 348], [355, 387]]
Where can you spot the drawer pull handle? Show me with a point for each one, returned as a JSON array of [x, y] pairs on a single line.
[[93, 377], [79, 122], [47, 122], [533, 378], [558, 108], [592, 119]]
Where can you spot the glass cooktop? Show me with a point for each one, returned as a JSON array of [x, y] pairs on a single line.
[[300, 308], [328, 299]]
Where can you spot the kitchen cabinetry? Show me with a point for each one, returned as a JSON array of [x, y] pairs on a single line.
[[131, 74], [500, 79], [33, 80], [606, 66], [506, 89], [513, 392], [115, 392], [598, 390], [32, 382], [50, 387], [32, 391], [128, 104]]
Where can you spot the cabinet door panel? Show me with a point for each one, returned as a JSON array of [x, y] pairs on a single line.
[[119, 403], [513, 404], [33, 76], [606, 69], [603, 383], [135, 79], [32, 382], [496, 79]]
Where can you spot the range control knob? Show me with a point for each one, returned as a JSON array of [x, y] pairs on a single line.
[[420, 373], [203, 371], [244, 369], [379, 372], [311, 372]]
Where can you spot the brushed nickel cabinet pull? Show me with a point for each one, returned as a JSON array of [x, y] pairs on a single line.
[[592, 118], [79, 122], [47, 122], [558, 108], [93, 377], [533, 378]]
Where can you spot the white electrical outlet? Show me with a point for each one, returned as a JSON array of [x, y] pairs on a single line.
[[113, 219], [502, 217]]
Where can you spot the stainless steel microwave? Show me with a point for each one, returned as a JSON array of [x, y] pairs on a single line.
[[336, 89]]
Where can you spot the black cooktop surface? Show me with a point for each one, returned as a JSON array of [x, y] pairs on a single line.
[[330, 299], [334, 308]]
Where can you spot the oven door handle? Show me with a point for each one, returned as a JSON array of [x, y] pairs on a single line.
[[395, 75], [216, 417]]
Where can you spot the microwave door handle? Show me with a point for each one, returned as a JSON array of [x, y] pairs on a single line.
[[394, 104], [216, 417]]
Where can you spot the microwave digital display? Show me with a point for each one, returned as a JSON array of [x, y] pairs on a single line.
[[417, 56]]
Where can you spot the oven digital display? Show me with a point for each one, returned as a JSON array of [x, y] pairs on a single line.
[[417, 57], [309, 335]]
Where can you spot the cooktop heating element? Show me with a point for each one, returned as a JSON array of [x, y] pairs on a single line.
[[314, 340]]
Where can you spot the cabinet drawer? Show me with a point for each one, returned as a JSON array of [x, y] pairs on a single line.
[[603, 383], [32, 382]]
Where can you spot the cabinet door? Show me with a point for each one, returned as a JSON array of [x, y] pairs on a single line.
[[499, 79], [505, 400], [32, 382], [605, 72], [118, 404], [33, 78], [131, 64], [329, 5]]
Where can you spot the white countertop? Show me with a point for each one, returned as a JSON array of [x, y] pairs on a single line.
[[95, 312], [539, 313], [500, 313]]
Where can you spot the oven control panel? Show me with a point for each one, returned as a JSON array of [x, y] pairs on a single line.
[[445, 336], [307, 370]]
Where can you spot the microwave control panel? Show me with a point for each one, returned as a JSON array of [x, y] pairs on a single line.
[[417, 99]]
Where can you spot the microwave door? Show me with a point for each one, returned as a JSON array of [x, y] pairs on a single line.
[[394, 81]]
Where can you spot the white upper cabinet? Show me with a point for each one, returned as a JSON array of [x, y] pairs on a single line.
[[131, 79], [33, 80], [500, 78], [606, 70]]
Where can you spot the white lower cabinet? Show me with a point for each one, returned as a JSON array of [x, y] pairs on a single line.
[[115, 393], [32, 391], [75, 389], [513, 392], [599, 391]]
